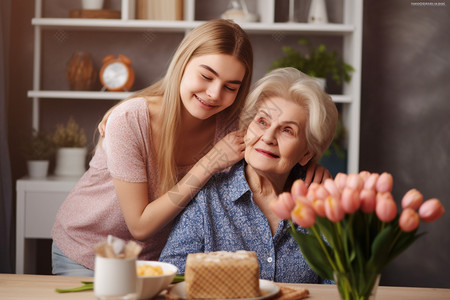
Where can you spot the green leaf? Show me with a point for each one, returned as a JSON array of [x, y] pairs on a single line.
[[347, 243], [316, 62], [405, 240], [87, 286], [380, 248], [327, 230], [313, 253], [178, 278], [303, 41]]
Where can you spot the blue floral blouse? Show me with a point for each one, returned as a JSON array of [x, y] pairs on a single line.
[[223, 216]]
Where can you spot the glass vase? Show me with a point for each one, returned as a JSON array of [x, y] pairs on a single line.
[[357, 286]]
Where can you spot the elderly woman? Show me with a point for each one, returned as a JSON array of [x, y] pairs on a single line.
[[290, 121]]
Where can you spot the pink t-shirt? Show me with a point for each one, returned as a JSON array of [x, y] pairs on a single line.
[[92, 211]]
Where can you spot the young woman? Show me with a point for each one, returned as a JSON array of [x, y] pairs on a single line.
[[159, 149], [293, 123]]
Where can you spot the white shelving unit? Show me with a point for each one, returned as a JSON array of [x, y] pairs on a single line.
[[38, 201], [350, 30]]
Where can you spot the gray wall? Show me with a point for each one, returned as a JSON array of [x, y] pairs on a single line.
[[405, 122]]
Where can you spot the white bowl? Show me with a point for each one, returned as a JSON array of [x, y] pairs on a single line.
[[150, 286]]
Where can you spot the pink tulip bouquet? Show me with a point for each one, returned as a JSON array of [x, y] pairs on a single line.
[[353, 227]]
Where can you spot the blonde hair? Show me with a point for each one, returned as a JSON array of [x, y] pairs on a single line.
[[291, 84], [212, 37]]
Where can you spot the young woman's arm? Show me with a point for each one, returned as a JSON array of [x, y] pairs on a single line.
[[145, 219]]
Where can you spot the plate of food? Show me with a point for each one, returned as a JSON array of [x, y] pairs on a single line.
[[267, 289]]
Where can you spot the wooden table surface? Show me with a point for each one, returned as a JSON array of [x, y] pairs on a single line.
[[17, 286]]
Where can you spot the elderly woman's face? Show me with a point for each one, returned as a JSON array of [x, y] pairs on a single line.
[[275, 139]]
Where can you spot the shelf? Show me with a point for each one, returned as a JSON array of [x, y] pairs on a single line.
[[121, 95], [341, 98], [326, 29], [79, 95], [53, 183], [180, 26], [109, 24], [348, 31]]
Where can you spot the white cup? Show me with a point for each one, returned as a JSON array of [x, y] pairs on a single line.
[[92, 4], [115, 278]]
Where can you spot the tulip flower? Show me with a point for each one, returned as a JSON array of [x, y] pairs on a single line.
[[409, 220], [341, 180], [371, 181], [356, 216], [313, 186], [364, 175], [384, 183], [368, 200], [311, 195], [431, 210], [299, 188], [303, 214], [386, 209], [331, 187], [322, 192], [333, 209], [413, 199], [319, 207], [283, 206], [350, 200], [355, 182], [384, 196]]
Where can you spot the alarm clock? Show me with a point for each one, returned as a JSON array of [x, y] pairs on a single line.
[[116, 73]]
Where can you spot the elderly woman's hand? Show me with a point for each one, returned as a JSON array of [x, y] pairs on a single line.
[[316, 173]]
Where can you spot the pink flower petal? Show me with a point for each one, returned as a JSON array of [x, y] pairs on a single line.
[[413, 199], [431, 210], [384, 183], [409, 220]]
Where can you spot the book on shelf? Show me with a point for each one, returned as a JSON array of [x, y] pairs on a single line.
[[159, 9]]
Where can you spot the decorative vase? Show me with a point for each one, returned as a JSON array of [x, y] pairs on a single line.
[[237, 11], [81, 72], [357, 286], [70, 161], [318, 12], [37, 168], [92, 4], [291, 12]]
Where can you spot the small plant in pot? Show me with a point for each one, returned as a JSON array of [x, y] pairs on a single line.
[[318, 62], [70, 141], [38, 150]]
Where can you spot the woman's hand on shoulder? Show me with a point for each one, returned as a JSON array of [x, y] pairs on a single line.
[[316, 173], [228, 151]]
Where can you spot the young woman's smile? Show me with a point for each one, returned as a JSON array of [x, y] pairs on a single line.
[[210, 84], [205, 103]]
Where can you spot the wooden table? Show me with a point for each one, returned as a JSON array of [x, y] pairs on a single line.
[[17, 286]]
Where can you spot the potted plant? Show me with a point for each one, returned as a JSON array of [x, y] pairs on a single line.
[[70, 141], [38, 150], [318, 62]]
